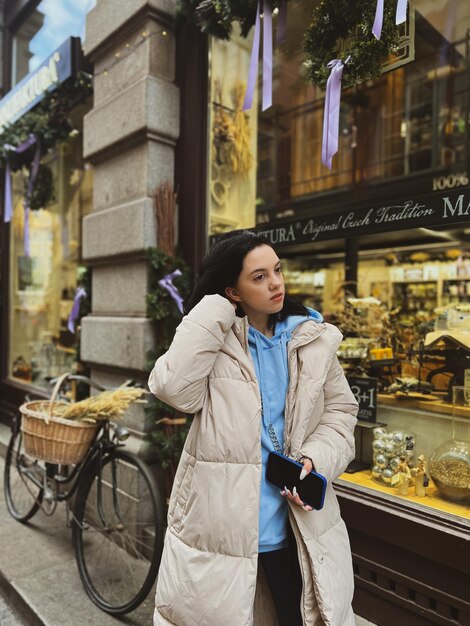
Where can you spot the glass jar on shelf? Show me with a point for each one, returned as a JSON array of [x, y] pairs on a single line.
[[449, 464]]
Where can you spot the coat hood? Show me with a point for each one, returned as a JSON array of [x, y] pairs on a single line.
[[270, 353], [283, 328]]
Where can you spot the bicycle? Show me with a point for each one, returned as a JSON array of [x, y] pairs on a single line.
[[117, 516]]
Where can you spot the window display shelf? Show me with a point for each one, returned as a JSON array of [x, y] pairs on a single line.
[[439, 406], [414, 282], [452, 512], [427, 426], [415, 295], [455, 291]]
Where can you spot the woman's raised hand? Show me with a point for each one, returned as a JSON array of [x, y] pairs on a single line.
[[294, 496]]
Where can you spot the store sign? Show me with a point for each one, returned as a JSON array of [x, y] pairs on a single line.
[[365, 392], [47, 77], [438, 209], [459, 179]]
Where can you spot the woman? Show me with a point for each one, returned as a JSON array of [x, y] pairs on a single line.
[[258, 370]]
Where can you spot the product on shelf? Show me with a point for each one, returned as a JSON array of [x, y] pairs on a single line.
[[420, 476], [449, 467], [389, 450]]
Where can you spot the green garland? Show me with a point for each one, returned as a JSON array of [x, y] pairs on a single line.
[[216, 17], [341, 28], [167, 440], [161, 307], [50, 122]]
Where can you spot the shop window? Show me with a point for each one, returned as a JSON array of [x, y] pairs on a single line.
[[44, 31], [407, 335], [233, 136], [42, 286], [413, 119]]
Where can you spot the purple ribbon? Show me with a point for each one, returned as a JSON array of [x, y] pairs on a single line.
[[267, 58], [167, 283], [8, 212], [75, 312], [267, 55], [400, 16], [331, 116], [379, 19], [253, 70], [281, 22], [401, 11]]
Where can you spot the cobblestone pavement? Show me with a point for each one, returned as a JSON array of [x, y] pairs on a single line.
[[7, 617]]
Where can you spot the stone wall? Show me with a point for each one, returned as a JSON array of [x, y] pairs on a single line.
[[129, 137]]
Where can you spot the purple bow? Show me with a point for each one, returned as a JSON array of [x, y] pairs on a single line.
[[267, 53], [167, 283], [73, 317], [400, 16], [331, 116], [8, 211]]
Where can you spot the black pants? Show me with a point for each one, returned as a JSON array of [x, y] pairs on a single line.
[[282, 571]]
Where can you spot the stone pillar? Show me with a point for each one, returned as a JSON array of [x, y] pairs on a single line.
[[129, 137]]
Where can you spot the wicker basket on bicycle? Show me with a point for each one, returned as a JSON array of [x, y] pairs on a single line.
[[52, 438]]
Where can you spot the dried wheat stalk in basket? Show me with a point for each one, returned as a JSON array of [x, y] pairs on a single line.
[[104, 406]]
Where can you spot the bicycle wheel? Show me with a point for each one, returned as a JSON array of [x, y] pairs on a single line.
[[22, 495], [118, 548]]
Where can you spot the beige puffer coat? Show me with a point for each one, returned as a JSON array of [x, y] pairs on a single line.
[[209, 566]]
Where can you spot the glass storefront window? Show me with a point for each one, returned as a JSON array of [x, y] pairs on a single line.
[[42, 286], [407, 333], [232, 185], [412, 120], [413, 281], [44, 31]]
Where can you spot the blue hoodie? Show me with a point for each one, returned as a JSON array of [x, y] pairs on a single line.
[[270, 359]]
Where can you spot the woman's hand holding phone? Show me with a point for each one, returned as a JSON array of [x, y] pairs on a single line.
[[294, 496]]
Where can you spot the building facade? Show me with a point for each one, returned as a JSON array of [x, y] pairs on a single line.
[[389, 221], [379, 245]]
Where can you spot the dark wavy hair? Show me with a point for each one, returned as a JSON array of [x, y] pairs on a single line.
[[222, 266]]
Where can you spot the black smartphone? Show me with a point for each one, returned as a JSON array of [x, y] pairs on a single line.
[[284, 472]]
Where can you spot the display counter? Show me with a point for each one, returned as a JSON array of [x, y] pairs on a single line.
[[432, 499], [411, 553], [430, 424]]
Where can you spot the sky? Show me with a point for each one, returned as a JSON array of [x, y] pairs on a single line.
[[62, 19]]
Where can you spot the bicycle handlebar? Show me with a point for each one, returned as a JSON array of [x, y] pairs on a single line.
[[81, 379], [88, 381]]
